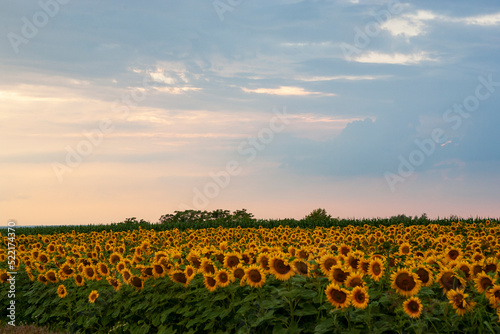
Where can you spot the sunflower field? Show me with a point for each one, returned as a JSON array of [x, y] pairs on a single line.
[[426, 278]]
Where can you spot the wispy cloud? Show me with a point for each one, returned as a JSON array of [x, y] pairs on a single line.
[[285, 91], [394, 58]]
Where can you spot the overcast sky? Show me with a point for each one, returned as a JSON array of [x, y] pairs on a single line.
[[366, 108]]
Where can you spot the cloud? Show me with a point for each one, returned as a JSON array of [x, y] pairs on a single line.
[[394, 58], [286, 91]]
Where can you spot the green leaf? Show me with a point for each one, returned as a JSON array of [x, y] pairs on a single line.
[[324, 326]]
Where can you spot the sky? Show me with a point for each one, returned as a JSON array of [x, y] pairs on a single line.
[[367, 108]]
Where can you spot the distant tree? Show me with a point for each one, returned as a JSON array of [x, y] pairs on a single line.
[[318, 215]]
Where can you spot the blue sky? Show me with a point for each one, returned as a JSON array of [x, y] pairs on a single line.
[[365, 108]]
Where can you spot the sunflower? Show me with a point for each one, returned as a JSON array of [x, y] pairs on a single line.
[[231, 260], [476, 268], [413, 307], [300, 267], [67, 270], [280, 268], [457, 299], [93, 296], [354, 280], [465, 268], [180, 276], [494, 296], [405, 282], [158, 270], [255, 276], [338, 297], [115, 258], [405, 248], [425, 275], [210, 282], [136, 282], [114, 283], [51, 276], [338, 274], [207, 267], [483, 282], [190, 271], [239, 272], [79, 280], [89, 272], [448, 280], [61, 291], [42, 279], [452, 254], [359, 297], [126, 275], [223, 278], [376, 269], [121, 266], [103, 269], [490, 266], [263, 261], [4, 276]]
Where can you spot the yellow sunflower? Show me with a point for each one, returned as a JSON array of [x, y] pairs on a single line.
[[93, 296], [210, 282], [280, 268], [338, 274], [223, 278], [179, 276], [376, 269], [483, 282], [359, 297], [300, 267], [354, 280], [405, 282], [51, 276], [114, 283], [255, 276], [231, 260], [337, 296], [448, 280], [413, 307], [136, 282], [458, 300], [494, 296], [425, 275], [79, 280], [89, 272], [61, 291]]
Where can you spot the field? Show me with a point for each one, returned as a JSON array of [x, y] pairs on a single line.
[[312, 276]]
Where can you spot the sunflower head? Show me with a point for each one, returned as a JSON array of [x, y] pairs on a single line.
[[255, 276], [136, 282], [61, 291], [339, 274], [210, 282], [223, 278], [179, 276], [413, 307], [448, 280], [300, 267], [483, 282], [458, 299], [425, 275], [93, 296], [354, 280], [405, 282], [280, 268], [376, 268], [337, 296], [359, 297]]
